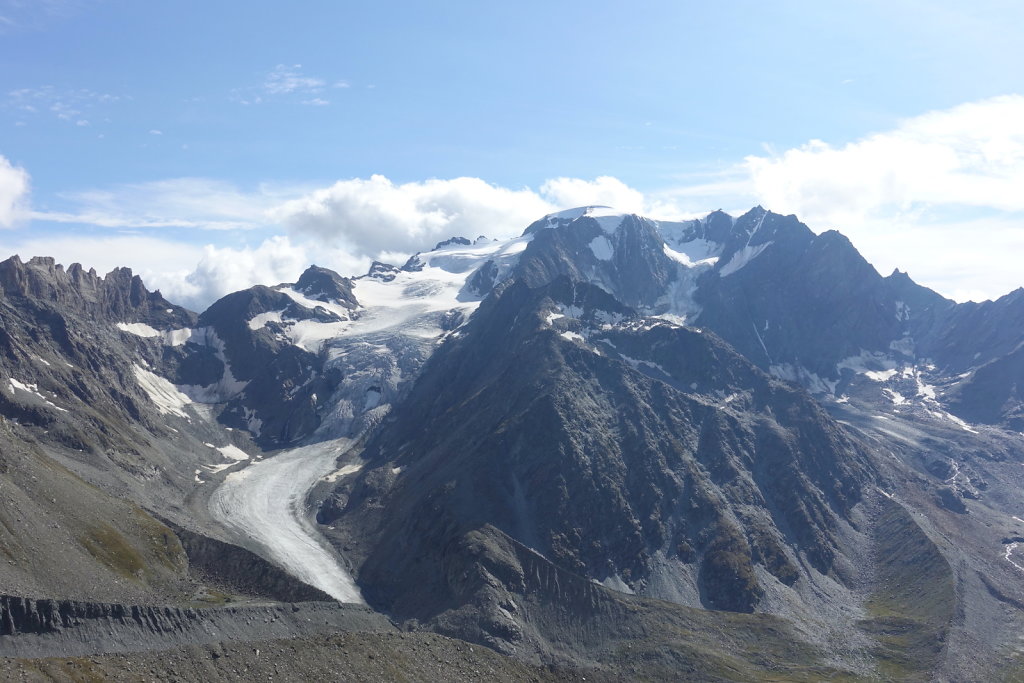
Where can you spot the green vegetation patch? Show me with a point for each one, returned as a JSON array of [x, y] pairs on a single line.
[[111, 549], [914, 598]]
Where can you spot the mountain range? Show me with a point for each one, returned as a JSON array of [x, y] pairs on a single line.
[[723, 449]]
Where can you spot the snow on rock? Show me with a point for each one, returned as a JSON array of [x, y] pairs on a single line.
[[177, 337], [693, 253], [804, 377], [954, 419], [875, 366], [550, 318], [262, 319], [904, 346], [570, 214], [164, 395], [169, 337], [414, 302], [34, 390], [232, 452], [227, 387], [343, 472], [372, 399], [602, 248], [642, 364], [313, 304], [897, 399], [138, 329], [925, 391], [742, 258], [253, 424], [615, 583]]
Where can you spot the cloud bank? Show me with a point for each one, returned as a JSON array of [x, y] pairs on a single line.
[[14, 186], [968, 156], [938, 196], [374, 215]]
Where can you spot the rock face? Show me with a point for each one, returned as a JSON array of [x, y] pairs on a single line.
[[651, 458], [119, 296], [610, 440], [67, 628]]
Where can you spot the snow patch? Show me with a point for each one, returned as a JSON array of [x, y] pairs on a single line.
[[896, 398], [232, 452], [602, 248], [168, 337], [926, 391], [177, 337], [1008, 555], [798, 374], [164, 395], [253, 424], [262, 319], [615, 583], [875, 366], [34, 390], [552, 317], [741, 258], [904, 346], [138, 329], [224, 389], [693, 254], [372, 400], [343, 472]]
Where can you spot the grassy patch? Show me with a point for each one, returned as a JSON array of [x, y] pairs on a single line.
[[913, 602], [164, 545], [111, 549]]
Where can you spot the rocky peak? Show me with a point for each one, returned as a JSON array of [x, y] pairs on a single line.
[[385, 272], [326, 285], [622, 253], [121, 296], [452, 242]]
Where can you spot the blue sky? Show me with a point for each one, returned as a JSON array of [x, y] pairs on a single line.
[[214, 145]]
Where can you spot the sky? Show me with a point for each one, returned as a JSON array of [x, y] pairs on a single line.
[[215, 145]]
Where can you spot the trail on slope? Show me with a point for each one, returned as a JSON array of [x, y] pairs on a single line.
[[266, 502]]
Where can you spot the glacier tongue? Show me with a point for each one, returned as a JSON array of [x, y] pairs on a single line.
[[267, 503]]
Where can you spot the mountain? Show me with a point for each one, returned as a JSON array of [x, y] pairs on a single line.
[[723, 448]]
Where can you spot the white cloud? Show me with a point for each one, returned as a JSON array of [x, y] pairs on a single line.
[[14, 188], [372, 215], [220, 271], [284, 79], [939, 195], [191, 275], [199, 203], [604, 190], [154, 131], [968, 156], [67, 104]]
